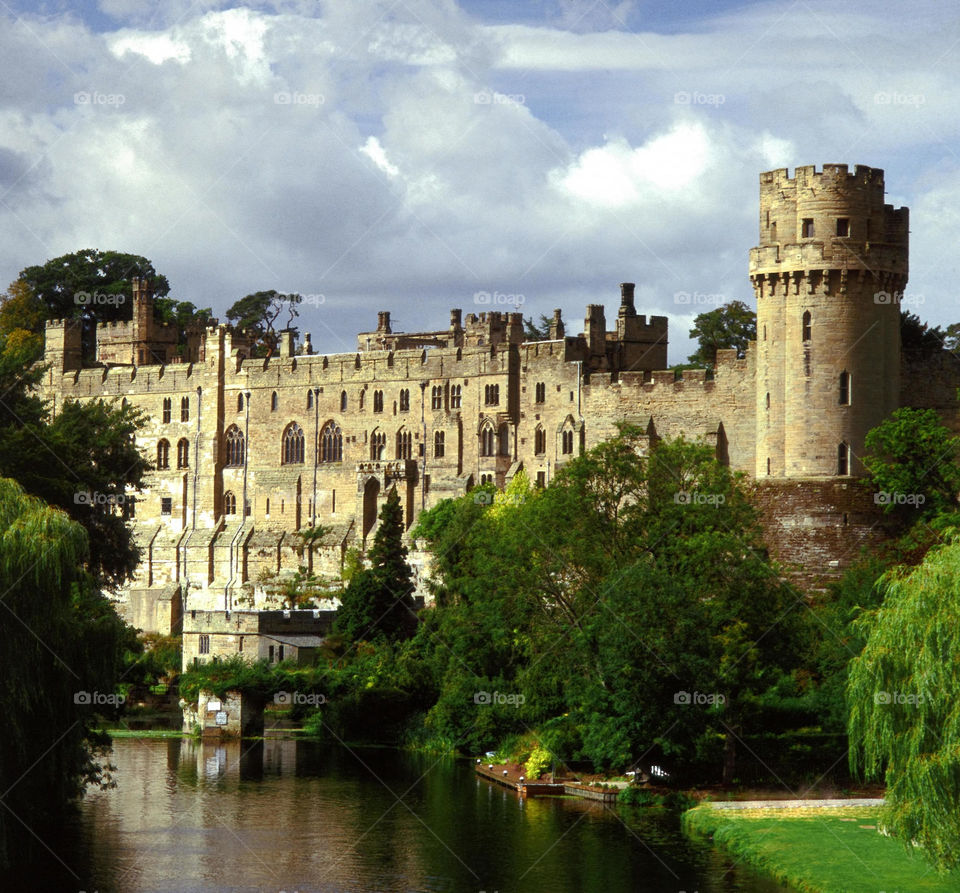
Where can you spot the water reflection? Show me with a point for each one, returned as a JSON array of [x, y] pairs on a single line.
[[279, 815]]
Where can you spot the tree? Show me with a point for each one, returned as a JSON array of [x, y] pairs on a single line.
[[257, 314], [61, 650], [378, 603], [537, 331], [903, 693], [732, 326], [21, 310], [918, 335], [913, 463], [72, 285]]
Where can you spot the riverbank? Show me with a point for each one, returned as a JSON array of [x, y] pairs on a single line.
[[818, 849]]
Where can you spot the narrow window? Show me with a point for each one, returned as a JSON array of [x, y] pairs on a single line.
[[436, 397], [805, 329], [768, 401], [768, 465], [267, 513], [166, 505], [773, 231], [378, 401], [404, 444], [843, 226], [541, 392], [567, 443], [239, 402], [844, 388], [166, 409], [539, 441], [807, 228], [541, 479], [438, 444], [163, 454], [274, 402], [309, 399], [843, 459], [487, 441], [184, 409], [183, 453], [235, 447], [204, 644], [229, 503], [455, 397], [404, 400], [343, 401]]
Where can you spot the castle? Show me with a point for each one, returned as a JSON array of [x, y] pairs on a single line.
[[248, 451]]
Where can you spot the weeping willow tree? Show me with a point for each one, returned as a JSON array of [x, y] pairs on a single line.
[[904, 701], [60, 642]]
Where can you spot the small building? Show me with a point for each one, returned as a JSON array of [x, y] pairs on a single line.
[[273, 636]]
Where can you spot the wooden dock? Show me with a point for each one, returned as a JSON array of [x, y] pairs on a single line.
[[512, 780]]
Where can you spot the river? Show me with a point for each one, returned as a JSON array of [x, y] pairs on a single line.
[[283, 815]]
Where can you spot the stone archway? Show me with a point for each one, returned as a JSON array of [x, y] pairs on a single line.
[[371, 494]]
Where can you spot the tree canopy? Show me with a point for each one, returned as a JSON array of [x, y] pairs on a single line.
[[258, 312], [732, 326]]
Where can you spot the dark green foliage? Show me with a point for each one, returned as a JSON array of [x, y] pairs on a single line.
[[57, 283], [732, 326], [61, 651], [378, 602], [257, 314], [916, 335], [536, 331]]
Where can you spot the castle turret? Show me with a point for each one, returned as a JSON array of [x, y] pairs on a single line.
[[828, 274], [63, 348], [557, 329], [595, 333]]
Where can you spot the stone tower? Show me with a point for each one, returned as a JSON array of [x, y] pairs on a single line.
[[828, 275]]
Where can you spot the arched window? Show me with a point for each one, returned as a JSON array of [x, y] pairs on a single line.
[[235, 447], [404, 400], [360, 400], [455, 396], [843, 459], [844, 388], [292, 445], [541, 394], [229, 503], [378, 401], [239, 402], [331, 443], [378, 443], [436, 397], [404, 444], [309, 399], [566, 442], [438, 444], [274, 402], [491, 394], [184, 409], [163, 454], [806, 325], [343, 401], [167, 406], [539, 441], [183, 453], [487, 441]]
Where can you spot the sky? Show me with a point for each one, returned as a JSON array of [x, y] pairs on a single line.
[[420, 155]]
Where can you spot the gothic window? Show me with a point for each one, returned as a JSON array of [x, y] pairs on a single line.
[[491, 394], [274, 402], [204, 644], [343, 401], [166, 409], [487, 441], [331, 443], [404, 400], [360, 400], [235, 447], [566, 440], [843, 459], [378, 443], [184, 409], [239, 402], [844, 388], [378, 401], [229, 503], [805, 329], [541, 392], [455, 397], [438, 445], [436, 397], [163, 454], [404, 444], [292, 445], [183, 453], [539, 441]]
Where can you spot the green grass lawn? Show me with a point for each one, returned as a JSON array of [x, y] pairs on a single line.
[[820, 850]]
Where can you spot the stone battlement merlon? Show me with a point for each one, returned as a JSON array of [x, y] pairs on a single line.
[[805, 175]]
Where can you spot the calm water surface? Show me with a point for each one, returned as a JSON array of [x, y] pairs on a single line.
[[298, 816]]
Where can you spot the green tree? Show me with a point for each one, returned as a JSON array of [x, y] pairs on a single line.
[[537, 331], [732, 326], [903, 694], [63, 283], [258, 312], [913, 463], [378, 602], [61, 650]]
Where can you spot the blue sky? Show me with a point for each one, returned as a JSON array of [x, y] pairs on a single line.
[[412, 155]]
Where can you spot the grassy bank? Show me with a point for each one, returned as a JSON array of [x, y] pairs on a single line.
[[820, 850]]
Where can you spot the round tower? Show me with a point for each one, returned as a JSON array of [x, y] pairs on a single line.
[[828, 275]]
